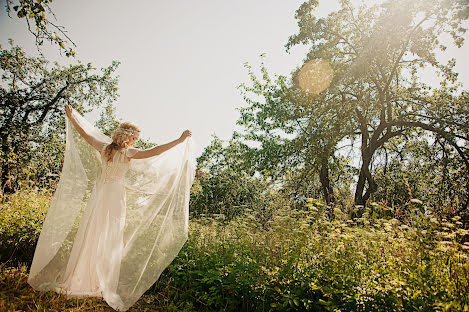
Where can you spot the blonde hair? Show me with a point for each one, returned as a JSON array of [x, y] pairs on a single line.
[[120, 138]]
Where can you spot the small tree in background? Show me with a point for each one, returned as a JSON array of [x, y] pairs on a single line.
[[224, 184]]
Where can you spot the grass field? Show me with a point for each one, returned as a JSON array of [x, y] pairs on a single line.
[[297, 261]]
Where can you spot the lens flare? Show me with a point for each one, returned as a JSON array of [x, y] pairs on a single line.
[[314, 77]]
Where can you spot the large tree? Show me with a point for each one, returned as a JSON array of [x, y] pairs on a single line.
[[295, 134], [376, 94], [376, 51], [33, 95]]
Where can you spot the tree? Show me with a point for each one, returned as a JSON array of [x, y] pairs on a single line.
[[376, 93], [296, 133], [109, 121], [37, 14], [410, 169], [223, 186], [376, 51], [32, 100]]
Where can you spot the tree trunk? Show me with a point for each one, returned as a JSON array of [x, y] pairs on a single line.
[[361, 196], [325, 182], [7, 187], [327, 191]]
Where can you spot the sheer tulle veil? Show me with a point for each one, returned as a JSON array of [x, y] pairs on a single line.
[[156, 218]]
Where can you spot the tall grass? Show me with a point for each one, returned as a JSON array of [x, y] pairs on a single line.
[[299, 260], [303, 261]]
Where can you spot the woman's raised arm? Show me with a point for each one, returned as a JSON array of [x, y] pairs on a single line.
[[97, 144], [157, 150]]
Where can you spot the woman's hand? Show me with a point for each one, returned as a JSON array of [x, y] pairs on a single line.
[[185, 134], [68, 111]]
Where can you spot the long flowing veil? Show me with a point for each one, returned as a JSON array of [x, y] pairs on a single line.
[[157, 213]]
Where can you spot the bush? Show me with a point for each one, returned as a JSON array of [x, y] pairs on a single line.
[[21, 218]]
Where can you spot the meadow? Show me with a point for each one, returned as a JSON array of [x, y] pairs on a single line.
[[295, 260], [344, 185]]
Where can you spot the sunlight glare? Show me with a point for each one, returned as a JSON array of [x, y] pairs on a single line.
[[314, 77]]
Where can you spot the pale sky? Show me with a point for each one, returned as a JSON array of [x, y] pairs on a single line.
[[181, 61]]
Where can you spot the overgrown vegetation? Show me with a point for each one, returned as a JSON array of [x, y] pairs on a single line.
[[294, 260], [283, 217], [361, 84]]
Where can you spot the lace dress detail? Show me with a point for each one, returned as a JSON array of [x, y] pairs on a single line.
[[114, 171]]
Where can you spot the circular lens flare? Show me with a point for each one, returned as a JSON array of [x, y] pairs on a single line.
[[314, 77]]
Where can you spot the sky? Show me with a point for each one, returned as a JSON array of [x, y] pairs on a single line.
[[181, 61]]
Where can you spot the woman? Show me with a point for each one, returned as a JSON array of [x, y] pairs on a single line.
[[119, 215]]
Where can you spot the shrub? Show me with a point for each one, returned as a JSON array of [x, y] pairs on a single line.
[[21, 218]]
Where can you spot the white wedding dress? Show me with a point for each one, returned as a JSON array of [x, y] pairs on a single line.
[[94, 264], [113, 226]]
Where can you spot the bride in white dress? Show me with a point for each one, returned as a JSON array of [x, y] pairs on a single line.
[[119, 215]]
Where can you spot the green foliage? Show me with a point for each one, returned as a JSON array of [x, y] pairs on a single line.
[[37, 14], [298, 261], [302, 262], [108, 120], [21, 217], [223, 185], [16, 295], [376, 94], [418, 169], [33, 95], [375, 51]]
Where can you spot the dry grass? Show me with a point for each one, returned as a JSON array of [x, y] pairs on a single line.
[[17, 295]]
